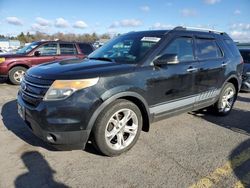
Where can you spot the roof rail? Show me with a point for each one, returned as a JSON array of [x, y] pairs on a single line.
[[179, 28], [198, 29], [175, 28]]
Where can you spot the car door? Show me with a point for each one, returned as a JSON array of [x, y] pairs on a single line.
[[212, 66], [67, 51], [172, 86], [46, 53]]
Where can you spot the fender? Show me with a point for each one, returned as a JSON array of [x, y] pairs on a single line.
[[119, 89], [113, 98], [235, 77], [230, 77], [18, 63]]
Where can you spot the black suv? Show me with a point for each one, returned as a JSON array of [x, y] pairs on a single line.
[[131, 81], [245, 52]]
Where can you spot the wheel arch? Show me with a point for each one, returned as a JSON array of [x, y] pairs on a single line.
[[235, 81], [130, 96], [18, 64], [143, 109]]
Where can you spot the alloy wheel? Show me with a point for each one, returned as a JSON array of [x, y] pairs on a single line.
[[227, 100], [18, 75], [121, 129]]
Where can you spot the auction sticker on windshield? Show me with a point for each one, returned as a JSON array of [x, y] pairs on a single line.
[[151, 39]]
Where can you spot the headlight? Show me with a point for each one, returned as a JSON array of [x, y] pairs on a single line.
[[61, 89], [2, 59]]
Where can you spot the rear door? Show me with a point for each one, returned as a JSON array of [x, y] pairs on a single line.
[[48, 52], [67, 51], [212, 66]]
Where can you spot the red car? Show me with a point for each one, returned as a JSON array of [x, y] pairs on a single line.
[[14, 66]]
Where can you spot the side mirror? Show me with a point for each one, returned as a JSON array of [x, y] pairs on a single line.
[[166, 59], [37, 53]]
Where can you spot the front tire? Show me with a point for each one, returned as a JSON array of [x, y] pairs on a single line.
[[117, 128], [16, 74], [226, 100]]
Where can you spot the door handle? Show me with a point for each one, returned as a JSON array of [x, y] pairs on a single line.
[[224, 64], [192, 69]]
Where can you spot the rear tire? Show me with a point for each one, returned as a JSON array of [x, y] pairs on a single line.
[[117, 128], [16, 74], [226, 100]]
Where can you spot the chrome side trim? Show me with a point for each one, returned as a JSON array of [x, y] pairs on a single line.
[[172, 105], [191, 100], [207, 95]]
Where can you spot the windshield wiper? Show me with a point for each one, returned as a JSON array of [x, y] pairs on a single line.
[[103, 59]]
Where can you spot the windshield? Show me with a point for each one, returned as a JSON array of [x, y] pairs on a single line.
[[27, 49], [130, 48]]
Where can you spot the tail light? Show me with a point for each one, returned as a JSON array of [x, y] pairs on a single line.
[[241, 61]]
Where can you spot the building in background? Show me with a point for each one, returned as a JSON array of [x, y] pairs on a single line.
[[9, 45], [100, 43], [243, 45]]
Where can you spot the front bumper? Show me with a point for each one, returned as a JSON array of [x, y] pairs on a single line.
[[59, 123], [3, 76], [3, 70], [74, 139]]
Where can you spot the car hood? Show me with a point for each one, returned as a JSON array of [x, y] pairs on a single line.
[[78, 69]]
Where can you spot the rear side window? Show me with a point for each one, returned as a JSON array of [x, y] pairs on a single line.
[[182, 47], [246, 56], [67, 49], [232, 47], [85, 48], [207, 49]]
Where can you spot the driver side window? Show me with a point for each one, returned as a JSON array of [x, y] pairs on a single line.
[[48, 49], [182, 47]]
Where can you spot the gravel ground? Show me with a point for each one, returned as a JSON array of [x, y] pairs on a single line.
[[192, 149]]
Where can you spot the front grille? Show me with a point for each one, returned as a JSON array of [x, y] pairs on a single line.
[[34, 89]]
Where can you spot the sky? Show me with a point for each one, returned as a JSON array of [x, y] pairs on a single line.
[[117, 16]]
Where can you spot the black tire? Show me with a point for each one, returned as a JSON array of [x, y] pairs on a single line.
[[219, 108], [102, 124], [16, 70]]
